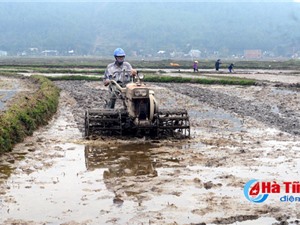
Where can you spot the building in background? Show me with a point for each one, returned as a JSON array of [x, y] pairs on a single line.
[[253, 54]]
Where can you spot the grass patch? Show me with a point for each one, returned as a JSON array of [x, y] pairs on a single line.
[[68, 70], [170, 79], [223, 81], [75, 77], [46, 70], [28, 113]]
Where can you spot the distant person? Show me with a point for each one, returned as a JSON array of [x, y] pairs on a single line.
[[230, 68], [217, 64], [119, 71], [195, 66]]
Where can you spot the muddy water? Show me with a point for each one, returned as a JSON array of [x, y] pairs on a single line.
[[64, 179], [8, 89]]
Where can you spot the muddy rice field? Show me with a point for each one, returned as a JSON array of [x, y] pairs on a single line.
[[237, 134]]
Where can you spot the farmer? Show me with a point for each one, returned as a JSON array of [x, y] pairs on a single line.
[[230, 68], [195, 66], [217, 64], [119, 71]]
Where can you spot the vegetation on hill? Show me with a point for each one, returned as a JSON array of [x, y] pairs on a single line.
[[96, 28]]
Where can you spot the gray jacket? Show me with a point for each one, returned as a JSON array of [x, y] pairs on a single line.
[[118, 73]]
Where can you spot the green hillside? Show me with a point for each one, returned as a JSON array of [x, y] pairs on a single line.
[[96, 28]]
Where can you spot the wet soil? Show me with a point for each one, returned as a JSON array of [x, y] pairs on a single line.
[[238, 134]]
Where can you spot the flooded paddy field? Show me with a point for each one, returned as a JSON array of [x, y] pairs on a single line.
[[237, 134], [10, 88]]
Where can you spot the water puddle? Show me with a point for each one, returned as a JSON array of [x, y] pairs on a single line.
[[283, 91], [124, 160], [218, 119], [84, 181], [5, 171], [48, 193], [7, 94], [275, 109]]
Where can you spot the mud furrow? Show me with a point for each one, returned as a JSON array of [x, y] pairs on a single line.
[[285, 120]]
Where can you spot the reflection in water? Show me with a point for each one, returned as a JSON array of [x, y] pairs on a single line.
[[125, 160], [5, 171]]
